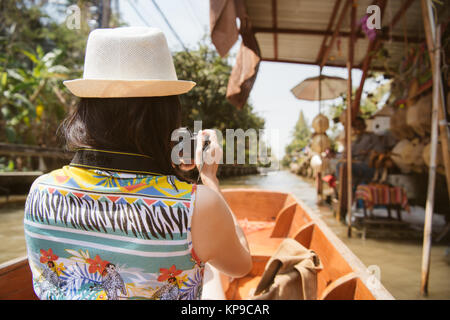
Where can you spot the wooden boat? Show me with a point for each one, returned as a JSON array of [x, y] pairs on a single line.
[[343, 277]]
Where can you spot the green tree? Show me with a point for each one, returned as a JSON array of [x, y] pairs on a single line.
[[31, 99], [207, 100], [36, 54], [301, 138]]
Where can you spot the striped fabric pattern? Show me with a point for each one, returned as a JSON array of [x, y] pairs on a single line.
[[95, 234], [375, 194]]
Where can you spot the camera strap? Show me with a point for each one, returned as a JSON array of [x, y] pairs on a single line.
[[116, 161]]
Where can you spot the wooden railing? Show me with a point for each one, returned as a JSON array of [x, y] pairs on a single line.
[[29, 163], [25, 152]]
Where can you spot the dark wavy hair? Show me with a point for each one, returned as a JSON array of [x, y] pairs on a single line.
[[136, 125]]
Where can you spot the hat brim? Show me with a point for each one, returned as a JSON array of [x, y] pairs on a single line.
[[102, 88]]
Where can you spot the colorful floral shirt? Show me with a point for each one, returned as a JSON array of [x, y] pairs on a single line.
[[94, 234]]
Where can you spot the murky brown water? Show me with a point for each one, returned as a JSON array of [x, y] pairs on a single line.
[[12, 238], [399, 261]]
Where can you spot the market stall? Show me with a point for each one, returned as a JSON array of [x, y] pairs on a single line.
[[400, 33]]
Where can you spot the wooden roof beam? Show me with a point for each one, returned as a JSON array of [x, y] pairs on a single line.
[[311, 32], [328, 64], [334, 12], [335, 33], [400, 13], [275, 25]]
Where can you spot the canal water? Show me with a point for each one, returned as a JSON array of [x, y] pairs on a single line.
[[398, 260]]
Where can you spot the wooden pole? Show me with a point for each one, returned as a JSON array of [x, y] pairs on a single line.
[[351, 48], [106, 13], [431, 177], [348, 127], [341, 191], [319, 184], [444, 132], [435, 57]]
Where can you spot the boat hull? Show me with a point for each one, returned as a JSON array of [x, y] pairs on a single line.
[[343, 277], [16, 281]]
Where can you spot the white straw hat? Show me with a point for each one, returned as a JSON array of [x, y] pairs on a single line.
[[128, 62]]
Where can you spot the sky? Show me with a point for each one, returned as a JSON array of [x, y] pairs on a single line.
[[271, 96]]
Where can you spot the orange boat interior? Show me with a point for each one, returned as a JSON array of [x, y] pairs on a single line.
[[267, 218], [278, 216]]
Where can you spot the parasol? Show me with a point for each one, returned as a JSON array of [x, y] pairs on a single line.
[[320, 88]]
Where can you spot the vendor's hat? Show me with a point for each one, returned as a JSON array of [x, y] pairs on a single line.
[[128, 62]]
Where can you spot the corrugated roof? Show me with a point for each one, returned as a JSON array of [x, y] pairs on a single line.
[[296, 30]]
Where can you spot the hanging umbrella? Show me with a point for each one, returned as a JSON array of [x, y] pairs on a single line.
[[320, 88]]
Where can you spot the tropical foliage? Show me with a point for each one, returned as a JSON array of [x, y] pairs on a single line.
[[207, 100], [38, 51]]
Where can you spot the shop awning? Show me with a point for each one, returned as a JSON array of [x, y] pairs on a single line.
[[314, 32]]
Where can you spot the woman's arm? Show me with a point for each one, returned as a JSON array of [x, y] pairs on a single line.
[[240, 233], [216, 235], [208, 172]]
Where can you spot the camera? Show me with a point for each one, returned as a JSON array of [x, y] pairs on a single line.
[[188, 141]]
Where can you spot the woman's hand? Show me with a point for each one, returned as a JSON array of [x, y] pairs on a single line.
[[208, 160]]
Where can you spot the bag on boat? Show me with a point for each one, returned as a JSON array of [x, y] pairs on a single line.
[[290, 274]]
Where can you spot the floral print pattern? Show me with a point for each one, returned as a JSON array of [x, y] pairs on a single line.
[[96, 235], [85, 279], [47, 256], [96, 264], [168, 273]]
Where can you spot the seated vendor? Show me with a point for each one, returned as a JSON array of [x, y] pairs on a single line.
[[363, 145]]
